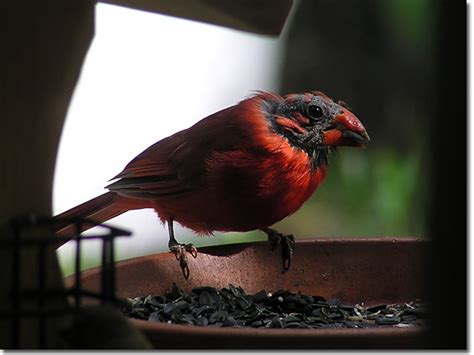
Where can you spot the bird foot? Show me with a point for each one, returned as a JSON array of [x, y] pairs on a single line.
[[286, 243], [180, 252]]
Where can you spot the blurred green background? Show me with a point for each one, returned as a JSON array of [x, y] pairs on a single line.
[[378, 56]]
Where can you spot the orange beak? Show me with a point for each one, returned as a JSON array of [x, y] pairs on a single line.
[[346, 130]]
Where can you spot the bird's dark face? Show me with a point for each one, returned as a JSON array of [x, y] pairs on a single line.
[[315, 123]]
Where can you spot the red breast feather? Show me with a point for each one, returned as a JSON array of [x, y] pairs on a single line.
[[252, 178]]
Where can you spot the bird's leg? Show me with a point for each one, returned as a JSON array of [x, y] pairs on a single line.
[[180, 250], [286, 243]]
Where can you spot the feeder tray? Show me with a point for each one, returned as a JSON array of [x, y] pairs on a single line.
[[354, 270]]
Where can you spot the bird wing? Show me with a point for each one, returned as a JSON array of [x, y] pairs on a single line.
[[176, 165]]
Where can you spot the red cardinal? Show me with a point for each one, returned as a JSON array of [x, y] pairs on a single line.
[[241, 169]]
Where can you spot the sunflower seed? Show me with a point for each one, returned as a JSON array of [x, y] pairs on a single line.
[[232, 307]]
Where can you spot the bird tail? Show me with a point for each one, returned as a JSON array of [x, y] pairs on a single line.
[[99, 209]]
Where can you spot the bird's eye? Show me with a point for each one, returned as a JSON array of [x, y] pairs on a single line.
[[315, 112]]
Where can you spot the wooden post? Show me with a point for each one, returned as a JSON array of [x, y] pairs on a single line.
[[43, 47]]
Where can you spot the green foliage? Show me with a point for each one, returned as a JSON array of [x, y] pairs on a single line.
[[408, 19]]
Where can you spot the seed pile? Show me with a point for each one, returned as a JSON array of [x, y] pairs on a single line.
[[232, 307]]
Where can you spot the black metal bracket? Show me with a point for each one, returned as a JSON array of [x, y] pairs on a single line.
[[40, 242]]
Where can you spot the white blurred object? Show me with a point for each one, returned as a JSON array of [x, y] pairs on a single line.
[[145, 77]]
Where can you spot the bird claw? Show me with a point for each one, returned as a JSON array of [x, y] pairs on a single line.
[[180, 252], [286, 243], [191, 250]]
